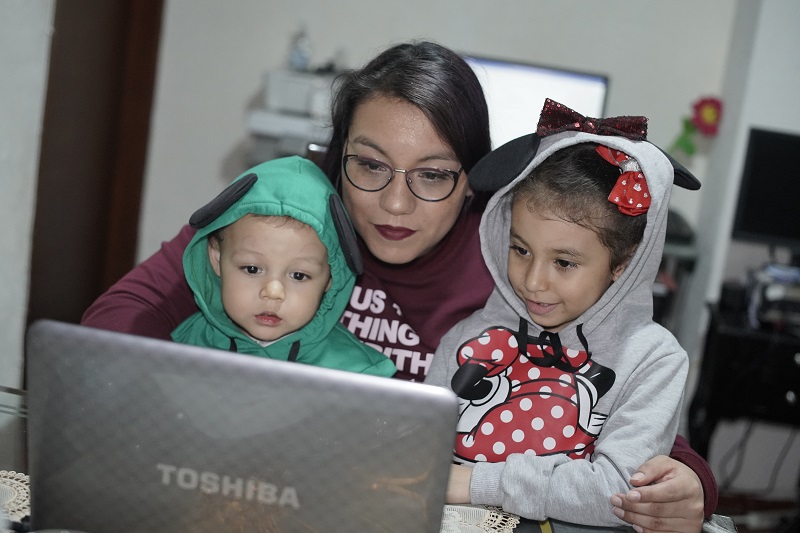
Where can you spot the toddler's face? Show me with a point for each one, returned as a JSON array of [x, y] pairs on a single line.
[[273, 275], [558, 269]]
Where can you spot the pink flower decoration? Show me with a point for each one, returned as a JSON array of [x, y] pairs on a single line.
[[707, 115]]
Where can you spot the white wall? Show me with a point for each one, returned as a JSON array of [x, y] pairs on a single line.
[[25, 27], [761, 87], [660, 57]]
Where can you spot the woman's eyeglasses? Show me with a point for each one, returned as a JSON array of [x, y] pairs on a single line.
[[429, 184]]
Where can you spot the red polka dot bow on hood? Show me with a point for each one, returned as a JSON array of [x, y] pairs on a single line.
[[630, 193]]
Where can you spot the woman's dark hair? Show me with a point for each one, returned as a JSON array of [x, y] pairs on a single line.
[[435, 79], [573, 184]]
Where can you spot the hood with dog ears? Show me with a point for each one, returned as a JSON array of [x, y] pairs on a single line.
[[293, 187], [632, 293]]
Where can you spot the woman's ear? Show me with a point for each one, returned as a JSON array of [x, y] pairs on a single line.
[[214, 254]]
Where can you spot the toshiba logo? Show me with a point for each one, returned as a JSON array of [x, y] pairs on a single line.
[[230, 487]]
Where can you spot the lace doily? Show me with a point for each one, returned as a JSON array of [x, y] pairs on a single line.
[[15, 494], [477, 519]]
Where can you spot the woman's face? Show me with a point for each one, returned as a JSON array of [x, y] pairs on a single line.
[[396, 226]]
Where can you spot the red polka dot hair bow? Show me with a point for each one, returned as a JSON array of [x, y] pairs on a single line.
[[556, 118], [630, 193]]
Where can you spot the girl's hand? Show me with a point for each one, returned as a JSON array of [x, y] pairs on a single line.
[[458, 486]]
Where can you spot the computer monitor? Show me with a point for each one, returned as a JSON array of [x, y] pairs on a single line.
[[766, 211], [515, 93]]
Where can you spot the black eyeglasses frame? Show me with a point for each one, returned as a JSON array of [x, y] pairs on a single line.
[[455, 174]]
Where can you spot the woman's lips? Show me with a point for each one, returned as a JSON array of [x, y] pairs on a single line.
[[394, 233]]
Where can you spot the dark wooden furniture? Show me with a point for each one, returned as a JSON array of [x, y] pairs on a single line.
[[745, 373]]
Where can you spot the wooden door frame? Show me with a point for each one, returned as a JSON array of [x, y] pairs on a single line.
[[95, 134]]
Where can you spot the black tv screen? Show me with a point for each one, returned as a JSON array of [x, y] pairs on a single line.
[[768, 210]]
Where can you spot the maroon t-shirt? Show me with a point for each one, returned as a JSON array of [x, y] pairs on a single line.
[[402, 311]]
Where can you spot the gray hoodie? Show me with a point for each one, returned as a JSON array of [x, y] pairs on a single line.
[[555, 432]]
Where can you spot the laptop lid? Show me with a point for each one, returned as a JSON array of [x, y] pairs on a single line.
[[134, 434]]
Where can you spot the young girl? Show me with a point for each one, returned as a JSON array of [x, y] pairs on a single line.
[[566, 384]]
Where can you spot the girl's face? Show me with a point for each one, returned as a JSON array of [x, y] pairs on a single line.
[[557, 268], [396, 226]]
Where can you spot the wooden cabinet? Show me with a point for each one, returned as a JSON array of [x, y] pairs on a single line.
[[745, 373]]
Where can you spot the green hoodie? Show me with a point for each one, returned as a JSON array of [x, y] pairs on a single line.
[[294, 187]]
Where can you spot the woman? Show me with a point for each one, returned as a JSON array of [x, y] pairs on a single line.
[[416, 111]]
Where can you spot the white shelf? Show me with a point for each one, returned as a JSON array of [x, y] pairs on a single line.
[[282, 125]]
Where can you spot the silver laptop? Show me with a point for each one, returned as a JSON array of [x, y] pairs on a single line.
[[130, 434]]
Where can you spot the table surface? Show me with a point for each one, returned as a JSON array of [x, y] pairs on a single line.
[[15, 495]]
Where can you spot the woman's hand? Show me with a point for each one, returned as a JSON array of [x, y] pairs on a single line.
[[668, 497], [458, 486]]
